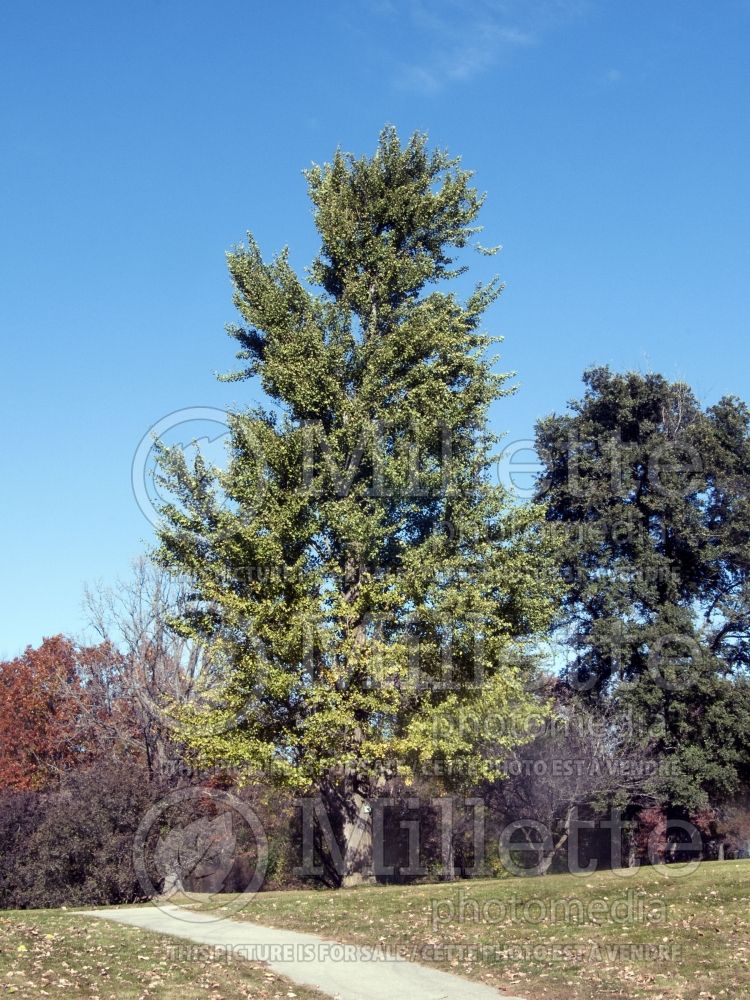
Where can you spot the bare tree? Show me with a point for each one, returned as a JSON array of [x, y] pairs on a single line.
[[151, 671], [581, 765]]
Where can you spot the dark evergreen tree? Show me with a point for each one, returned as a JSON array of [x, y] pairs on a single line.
[[650, 494]]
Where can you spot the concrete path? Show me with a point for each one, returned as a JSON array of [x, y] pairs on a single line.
[[348, 972]]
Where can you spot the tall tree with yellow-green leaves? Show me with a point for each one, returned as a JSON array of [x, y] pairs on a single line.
[[367, 586]]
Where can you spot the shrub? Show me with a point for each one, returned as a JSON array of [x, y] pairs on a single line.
[[74, 846]]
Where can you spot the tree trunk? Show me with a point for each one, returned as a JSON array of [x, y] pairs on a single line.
[[449, 862], [358, 866], [172, 884], [563, 839]]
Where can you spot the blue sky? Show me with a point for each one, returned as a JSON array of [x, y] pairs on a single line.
[[141, 140]]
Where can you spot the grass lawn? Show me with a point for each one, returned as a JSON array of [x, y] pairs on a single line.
[[60, 954], [560, 936]]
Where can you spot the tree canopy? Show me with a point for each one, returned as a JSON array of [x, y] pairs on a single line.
[[650, 492], [362, 576]]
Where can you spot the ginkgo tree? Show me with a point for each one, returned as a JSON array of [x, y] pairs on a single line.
[[366, 584]]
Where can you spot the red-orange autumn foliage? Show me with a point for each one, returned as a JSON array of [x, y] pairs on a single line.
[[44, 714]]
